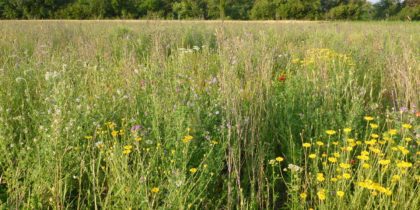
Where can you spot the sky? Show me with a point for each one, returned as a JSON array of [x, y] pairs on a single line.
[[373, 1]]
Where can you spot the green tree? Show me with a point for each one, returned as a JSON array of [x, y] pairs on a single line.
[[189, 9], [298, 9], [387, 8], [263, 9], [353, 10]]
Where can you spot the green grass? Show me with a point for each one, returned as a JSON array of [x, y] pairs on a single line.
[[73, 92]]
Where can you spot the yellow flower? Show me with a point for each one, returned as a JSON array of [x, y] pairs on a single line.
[[320, 177], [137, 139], [340, 194], [330, 132], [374, 135], [408, 139], [279, 159], [332, 159], [371, 142], [346, 176], [334, 179], [126, 152], [111, 125], [345, 165], [364, 152], [406, 126], [128, 147], [187, 138], [373, 125], [358, 142], [303, 196], [122, 132], [320, 143], [306, 145], [403, 150], [193, 170], [348, 148], [321, 195], [88, 137], [347, 130], [114, 133], [312, 156], [335, 143], [365, 165], [362, 157], [375, 150], [392, 132], [384, 162], [396, 178], [213, 142], [350, 141], [336, 154], [404, 165], [154, 190], [368, 118]]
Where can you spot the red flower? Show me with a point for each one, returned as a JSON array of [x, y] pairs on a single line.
[[352, 161], [281, 78]]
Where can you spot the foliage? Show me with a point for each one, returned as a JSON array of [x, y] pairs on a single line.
[[208, 9]]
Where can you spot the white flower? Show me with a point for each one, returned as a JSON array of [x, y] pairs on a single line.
[[294, 168]]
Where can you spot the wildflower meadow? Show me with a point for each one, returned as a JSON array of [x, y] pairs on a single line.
[[209, 115]]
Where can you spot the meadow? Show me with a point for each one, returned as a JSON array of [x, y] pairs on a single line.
[[209, 115]]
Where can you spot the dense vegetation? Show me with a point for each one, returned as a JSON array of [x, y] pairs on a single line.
[[209, 115], [211, 9]]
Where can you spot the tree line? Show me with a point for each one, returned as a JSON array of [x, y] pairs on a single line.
[[211, 9]]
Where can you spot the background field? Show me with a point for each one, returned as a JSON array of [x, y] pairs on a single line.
[[190, 114]]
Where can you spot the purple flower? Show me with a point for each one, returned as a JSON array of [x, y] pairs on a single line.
[[135, 128], [403, 109]]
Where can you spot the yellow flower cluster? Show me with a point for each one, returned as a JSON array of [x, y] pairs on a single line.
[[370, 185], [340, 160], [187, 139]]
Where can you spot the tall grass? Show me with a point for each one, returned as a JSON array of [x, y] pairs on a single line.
[[176, 115]]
